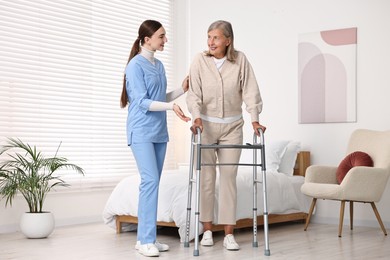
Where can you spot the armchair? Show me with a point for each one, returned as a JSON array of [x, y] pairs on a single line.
[[360, 184]]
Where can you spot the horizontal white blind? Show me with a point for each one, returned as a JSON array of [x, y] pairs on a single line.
[[61, 65]]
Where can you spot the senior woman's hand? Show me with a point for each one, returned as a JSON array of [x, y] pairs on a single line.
[[256, 126], [197, 124]]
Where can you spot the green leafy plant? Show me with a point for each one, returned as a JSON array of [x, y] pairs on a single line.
[[27, 171]]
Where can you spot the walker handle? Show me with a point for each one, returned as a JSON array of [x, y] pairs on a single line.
[[261, 132], [198, 131]]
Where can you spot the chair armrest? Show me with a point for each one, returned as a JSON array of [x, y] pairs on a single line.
[[321, 174], [365, 183]]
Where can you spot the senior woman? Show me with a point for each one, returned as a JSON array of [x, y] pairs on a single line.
[[221, 79]]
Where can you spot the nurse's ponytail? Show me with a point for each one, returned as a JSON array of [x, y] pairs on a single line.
[[147, 29]]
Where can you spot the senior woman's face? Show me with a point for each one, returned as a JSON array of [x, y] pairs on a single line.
[[217, 43]]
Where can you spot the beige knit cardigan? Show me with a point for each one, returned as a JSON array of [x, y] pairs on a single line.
[[221, 93]]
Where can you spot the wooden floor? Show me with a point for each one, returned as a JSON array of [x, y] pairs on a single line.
[[286, 241]]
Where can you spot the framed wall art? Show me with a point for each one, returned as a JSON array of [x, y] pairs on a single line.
[[327, 76]]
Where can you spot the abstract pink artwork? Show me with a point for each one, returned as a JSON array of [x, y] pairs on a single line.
[[327, 76]]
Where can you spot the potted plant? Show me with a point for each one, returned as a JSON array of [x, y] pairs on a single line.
[[24, 169]]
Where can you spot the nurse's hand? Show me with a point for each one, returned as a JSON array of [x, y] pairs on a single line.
[[180, 113], [186, 84]]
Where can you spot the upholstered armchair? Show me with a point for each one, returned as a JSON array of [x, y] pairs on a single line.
[[361, 183]]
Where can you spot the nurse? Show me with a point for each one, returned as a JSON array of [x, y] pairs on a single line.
[[144, 92]]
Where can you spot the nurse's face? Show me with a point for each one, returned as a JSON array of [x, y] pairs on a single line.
[[156, 41], [217, 43]]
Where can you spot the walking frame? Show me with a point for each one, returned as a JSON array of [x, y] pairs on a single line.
[[198, 147]]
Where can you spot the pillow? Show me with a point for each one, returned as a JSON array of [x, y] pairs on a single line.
[[274, 151], [351, 160], [289, 158]]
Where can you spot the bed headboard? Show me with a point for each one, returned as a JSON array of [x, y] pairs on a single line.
[[302, 162]]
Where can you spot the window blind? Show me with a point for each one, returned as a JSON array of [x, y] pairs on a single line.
[[61, 65]]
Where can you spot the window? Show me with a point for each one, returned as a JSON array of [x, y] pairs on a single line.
[[62, 65]]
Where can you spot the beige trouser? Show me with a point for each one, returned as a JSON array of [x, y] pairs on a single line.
[[216, 133]]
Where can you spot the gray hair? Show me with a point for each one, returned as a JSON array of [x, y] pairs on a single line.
[[227, 31]]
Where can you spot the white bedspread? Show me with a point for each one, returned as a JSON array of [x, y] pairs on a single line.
[[283, 193]]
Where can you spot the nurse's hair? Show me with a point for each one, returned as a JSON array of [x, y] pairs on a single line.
[[146, 29], [227, 30]]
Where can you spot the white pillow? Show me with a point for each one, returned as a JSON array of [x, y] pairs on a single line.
[[289, 158], [274, 151]]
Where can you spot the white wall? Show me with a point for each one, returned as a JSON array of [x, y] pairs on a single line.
[[267, 32]]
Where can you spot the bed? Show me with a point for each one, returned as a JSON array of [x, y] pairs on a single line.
[[286, 166]]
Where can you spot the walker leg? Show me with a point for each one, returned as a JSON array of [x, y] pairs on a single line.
[[190, 181], [198, 165], [267, 251], [196, 248], [254, 242]]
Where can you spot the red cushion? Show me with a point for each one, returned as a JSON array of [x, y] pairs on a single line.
[[351, 160]]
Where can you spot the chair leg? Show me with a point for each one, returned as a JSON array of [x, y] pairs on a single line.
[[351, 214], [341, 217], [118, 226], [378, 217], [312, 206]]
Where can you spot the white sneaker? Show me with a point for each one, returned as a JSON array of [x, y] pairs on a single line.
[[148, 250], [160, 246], [207, 239], [230, 243]]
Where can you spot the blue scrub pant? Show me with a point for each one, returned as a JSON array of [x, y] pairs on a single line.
[[150, 160]]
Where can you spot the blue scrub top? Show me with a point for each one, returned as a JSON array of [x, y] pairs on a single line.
[[145, 82]]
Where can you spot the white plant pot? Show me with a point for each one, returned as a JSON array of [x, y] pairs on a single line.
[[37, 225]]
